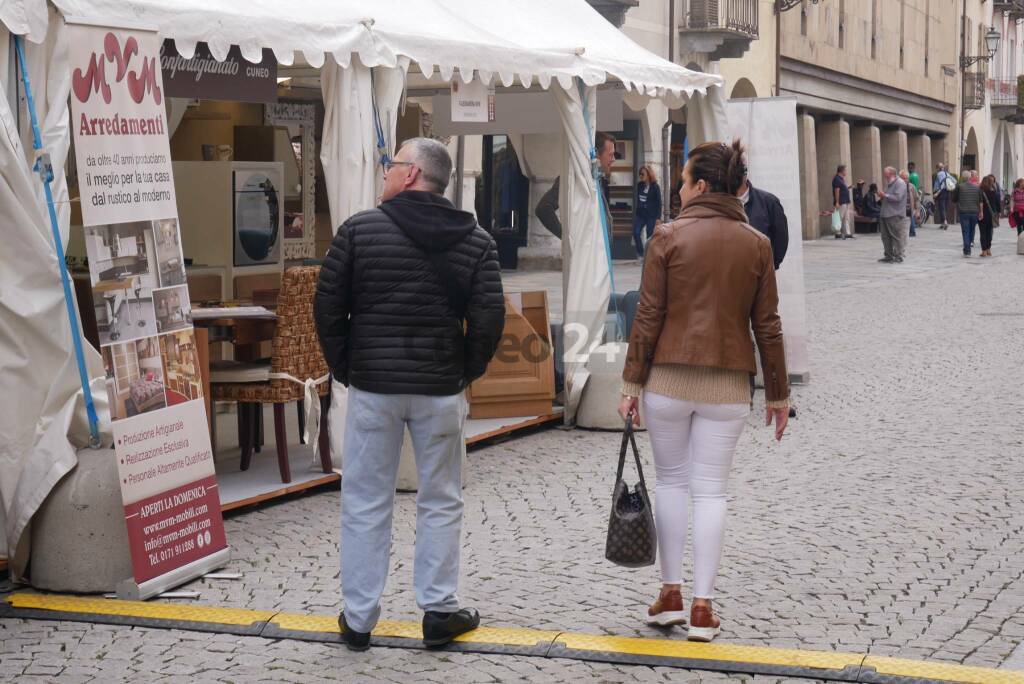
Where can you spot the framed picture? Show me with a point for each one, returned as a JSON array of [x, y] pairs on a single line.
[[620, 150]]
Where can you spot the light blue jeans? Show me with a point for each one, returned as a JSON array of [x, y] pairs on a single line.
[[374, 429]]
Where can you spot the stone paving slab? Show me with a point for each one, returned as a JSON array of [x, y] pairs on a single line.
[[889, 520]]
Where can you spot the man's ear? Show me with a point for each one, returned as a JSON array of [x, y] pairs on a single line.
[[412, 176]]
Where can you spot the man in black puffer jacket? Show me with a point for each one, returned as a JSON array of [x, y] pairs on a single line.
[[409, 310]]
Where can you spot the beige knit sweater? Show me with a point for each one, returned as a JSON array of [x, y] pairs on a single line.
[[700, 384]]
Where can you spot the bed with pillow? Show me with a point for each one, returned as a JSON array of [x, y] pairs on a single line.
[[147, 392]]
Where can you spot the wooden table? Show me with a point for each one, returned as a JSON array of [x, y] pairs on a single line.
[[244, 332]]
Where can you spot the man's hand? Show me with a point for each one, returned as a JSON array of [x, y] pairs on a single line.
[[781, 416], [630, 407]]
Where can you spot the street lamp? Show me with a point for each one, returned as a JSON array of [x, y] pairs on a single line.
[[991, 46]]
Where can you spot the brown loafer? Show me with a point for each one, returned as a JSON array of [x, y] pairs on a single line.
[[704, 625], [667, 610]]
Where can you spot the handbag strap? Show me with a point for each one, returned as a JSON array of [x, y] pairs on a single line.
[[628, 439], [988, 204]]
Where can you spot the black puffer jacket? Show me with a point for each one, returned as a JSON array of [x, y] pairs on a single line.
[[384, 312]]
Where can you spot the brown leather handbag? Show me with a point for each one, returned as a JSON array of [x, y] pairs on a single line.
[[631, 542]]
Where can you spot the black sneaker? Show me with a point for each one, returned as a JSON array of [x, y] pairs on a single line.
[[849, 237], [885, 260], [838, 236], [355, 641], [441, 628], [792, 412]]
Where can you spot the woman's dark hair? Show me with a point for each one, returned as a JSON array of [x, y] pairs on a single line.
[[873, 188], [988, 182], [719, 165]]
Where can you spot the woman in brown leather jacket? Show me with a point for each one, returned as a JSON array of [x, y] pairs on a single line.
[[708, 280]]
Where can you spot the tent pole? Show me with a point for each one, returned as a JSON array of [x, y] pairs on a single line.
[[45, 171], [460, 169]]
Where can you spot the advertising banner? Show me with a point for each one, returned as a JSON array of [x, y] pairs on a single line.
[[472, 102], [204, 77], [143, 313], [767, 127]]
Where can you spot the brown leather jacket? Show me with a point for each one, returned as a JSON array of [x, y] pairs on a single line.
[[708, 278]]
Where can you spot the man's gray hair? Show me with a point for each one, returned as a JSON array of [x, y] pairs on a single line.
[[889, 169], [433, 160]]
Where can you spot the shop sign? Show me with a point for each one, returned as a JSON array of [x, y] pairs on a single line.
[[161, 442], [204, 77], [472, 102]]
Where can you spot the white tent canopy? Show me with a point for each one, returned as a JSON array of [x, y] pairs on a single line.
[[533, 42], [507, 39]]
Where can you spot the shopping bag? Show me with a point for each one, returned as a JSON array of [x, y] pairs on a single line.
[[837, 222], [631, 541]]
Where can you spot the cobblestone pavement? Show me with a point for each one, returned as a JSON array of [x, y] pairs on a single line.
[[889, 520]]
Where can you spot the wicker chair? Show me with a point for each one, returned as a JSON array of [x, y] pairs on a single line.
[[295, 351]]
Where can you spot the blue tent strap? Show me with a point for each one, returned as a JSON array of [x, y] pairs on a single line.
[[45, 171], [382, 146], [605, 228]]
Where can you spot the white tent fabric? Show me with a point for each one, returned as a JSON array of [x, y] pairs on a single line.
[[349, 148], [51, 86], [39, 431], [25, 18], [506, 39], [587, 283]]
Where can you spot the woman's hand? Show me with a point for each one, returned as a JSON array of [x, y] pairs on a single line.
[[781, 416], [630, 407]]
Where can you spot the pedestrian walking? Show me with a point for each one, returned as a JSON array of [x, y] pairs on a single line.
[[765, 213], [409, 310], [648, 208], [989, 219], [970, 208], [893, 221], [707, 280], [942, 188], [1017, 208], [913, 202], [912, 176], [841, 204]]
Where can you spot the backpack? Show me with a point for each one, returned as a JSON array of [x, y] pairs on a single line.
[[949, 183]]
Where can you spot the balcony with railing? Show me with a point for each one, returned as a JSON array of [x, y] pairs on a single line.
[[974, 90], [1005, 99], [613, 10], [722, 28], [1014, 8]]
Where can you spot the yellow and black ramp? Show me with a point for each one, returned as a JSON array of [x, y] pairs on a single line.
[[721, 656]]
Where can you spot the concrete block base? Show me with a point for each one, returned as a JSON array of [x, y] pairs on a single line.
[[599, 405], [79, 537]]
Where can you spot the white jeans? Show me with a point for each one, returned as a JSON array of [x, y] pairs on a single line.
[[693, 449]]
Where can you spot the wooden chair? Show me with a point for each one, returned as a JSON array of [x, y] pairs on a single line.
[[296, 351]]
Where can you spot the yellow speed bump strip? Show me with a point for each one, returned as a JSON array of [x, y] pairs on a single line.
[[724, 657], [674, 648], [207, 618], [899, 669]]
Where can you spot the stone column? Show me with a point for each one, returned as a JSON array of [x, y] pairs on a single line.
[[894, 148], [940, 153], [833, 140], [919, 151], [866, 154], [808, 175]]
